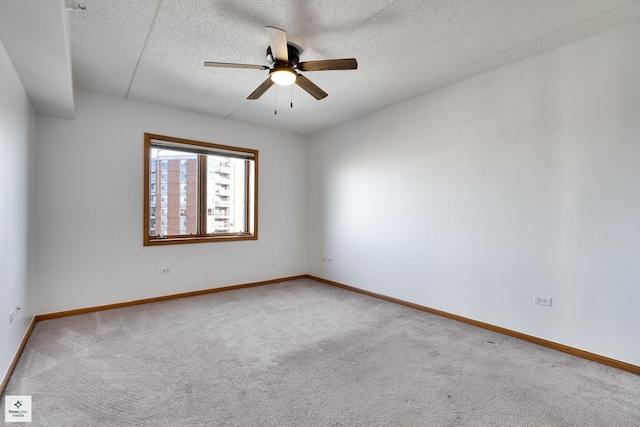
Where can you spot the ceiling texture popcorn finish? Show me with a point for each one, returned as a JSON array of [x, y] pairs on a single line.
[[154, 50]]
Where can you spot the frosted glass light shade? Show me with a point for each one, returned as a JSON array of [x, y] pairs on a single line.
[[283, 76]]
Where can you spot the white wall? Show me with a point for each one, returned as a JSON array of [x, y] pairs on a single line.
[[524, 180], [17, 142], [90, 188]]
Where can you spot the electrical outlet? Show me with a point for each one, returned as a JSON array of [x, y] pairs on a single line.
[[165, 270], [330, 260], [11, 315], [537, 299], [16, 310]]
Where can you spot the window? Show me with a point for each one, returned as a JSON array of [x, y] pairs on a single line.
[[219, 179]]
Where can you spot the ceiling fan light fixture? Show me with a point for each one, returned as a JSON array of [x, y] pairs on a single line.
[[283, 76]]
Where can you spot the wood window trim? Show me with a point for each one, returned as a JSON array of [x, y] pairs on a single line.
[[251, 197]]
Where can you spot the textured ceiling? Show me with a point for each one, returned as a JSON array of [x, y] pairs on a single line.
[[153, 50]]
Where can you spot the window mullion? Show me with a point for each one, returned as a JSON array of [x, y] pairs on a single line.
[[202, 195]]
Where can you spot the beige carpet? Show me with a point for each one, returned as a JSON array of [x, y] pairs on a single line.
[[302, 353]]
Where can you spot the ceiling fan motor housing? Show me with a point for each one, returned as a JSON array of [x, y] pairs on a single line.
[[294, 55]]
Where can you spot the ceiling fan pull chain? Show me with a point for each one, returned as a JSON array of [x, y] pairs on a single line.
[[291, 96], [275, 102]]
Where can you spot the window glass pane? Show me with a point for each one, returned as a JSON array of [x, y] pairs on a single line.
[[226, 193], [179, 211]]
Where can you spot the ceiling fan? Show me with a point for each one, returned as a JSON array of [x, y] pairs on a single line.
[[284, 60]]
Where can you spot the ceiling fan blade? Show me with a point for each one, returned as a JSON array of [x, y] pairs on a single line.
[[278, 43], [261, 89], [231, 65], [310, 87], [330, 64]]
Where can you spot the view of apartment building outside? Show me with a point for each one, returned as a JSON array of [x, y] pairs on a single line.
[[174, 193]]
